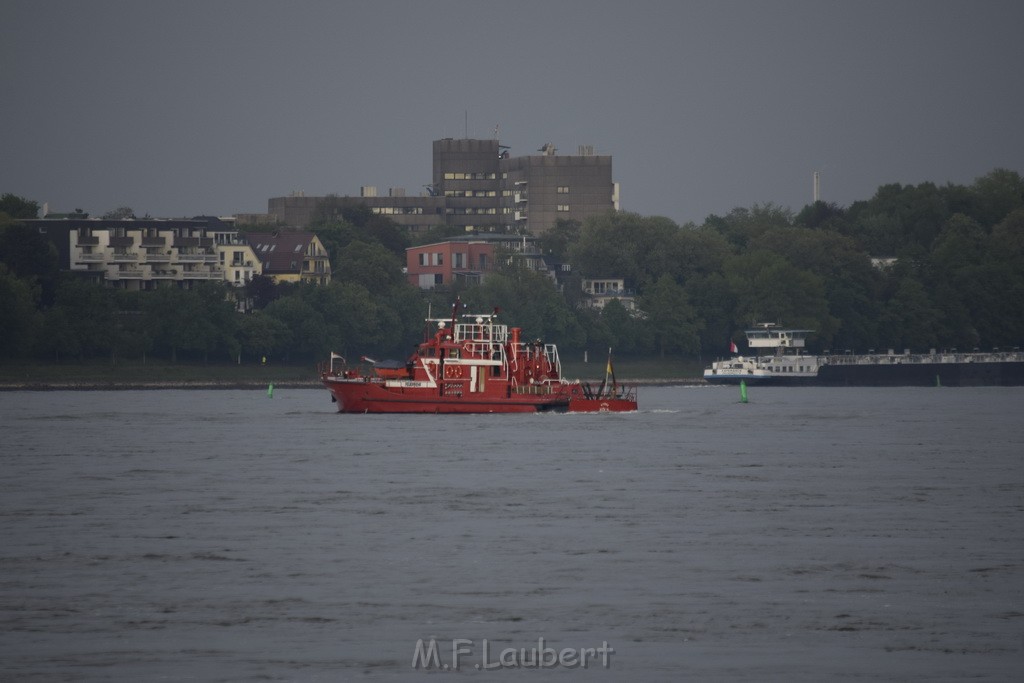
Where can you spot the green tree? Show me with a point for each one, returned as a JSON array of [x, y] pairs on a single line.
[[904, 218], [851, 283], [670, 317], [18, 318], [714, 303], [344, 222], [177, 320], [998, 194], [960, 244], [260, 335], [768, 288], [629, 246], [31, 257], [556, 241], [741, 225], [622, 330], [355, 320], [304, 322], [261, 290], [822, 216], [368, 264], [82, 321], [605, 248], [1008, 236], [697, 252], [18, 207], [218, 312], [910, 319], [119, 214]]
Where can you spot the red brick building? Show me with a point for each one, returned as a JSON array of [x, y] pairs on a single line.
[[465, 258]]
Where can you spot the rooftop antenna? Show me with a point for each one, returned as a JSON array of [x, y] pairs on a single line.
[[467, 123], [817, 187]]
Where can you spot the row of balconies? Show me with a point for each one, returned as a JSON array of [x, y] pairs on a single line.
[[144, 240], [147, 273], [160, 256]]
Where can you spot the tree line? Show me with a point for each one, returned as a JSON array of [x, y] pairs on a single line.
[[915, 266]]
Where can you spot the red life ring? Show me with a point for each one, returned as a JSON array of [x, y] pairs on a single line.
[[452, 371]]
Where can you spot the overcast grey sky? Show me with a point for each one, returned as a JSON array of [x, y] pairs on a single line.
[[182, 108]]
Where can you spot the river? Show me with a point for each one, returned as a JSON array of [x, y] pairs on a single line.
[[810, 534]]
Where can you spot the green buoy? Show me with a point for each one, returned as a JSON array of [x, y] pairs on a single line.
[[270, 390], [743, 391]]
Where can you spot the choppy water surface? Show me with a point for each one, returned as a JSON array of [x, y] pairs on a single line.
[[811, 534]]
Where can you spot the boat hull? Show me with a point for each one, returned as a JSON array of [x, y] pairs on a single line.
[[361, 396], [602, 405], [894, 375]]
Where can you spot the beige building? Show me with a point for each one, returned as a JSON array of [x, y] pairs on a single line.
[[600, 291], [238, 261], [291, 256], [139, 254]]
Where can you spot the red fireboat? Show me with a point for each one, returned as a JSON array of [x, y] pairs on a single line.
[[472, 364]]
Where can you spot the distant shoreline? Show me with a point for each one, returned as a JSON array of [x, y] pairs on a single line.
[[156, 385]]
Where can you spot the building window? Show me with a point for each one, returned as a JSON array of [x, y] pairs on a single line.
[[423, 258], [563, 207], [438, 279], [563, 189], [458, 260], [438, 259]]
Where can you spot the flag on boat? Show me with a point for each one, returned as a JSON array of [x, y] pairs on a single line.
[[609, 378], [610, 373], [732, 347]]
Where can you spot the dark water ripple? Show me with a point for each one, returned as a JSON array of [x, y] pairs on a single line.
[[812, 534]]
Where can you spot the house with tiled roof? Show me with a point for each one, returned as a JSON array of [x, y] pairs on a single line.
[[291, 256]]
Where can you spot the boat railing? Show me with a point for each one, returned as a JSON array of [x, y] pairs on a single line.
[[537, 388], [551, 351], [481, 332], [488, 350], [528, 350], [924, 358]]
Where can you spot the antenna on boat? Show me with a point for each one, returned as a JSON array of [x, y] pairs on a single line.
[[455, 312]]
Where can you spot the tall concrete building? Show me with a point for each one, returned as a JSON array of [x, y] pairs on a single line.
[[468, 177], [478, 186], [542, 189]]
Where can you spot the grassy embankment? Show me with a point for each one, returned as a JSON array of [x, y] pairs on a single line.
[[158, 373], [101, 374]]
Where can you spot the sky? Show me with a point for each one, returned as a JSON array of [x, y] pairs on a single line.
[[191, 108]]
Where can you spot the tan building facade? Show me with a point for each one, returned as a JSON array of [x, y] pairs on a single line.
[[138, 254]]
